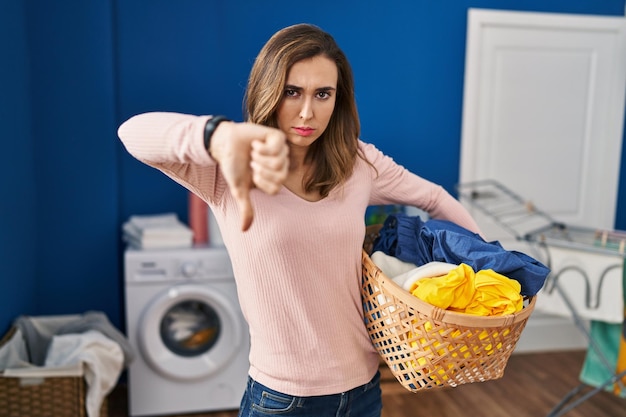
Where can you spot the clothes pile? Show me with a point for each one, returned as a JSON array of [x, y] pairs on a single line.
[[455, 269], [68, 345], [157, 231]]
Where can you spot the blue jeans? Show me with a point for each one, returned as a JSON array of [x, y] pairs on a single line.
[[363, 401]]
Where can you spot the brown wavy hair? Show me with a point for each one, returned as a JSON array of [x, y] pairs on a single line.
[[334, 153]]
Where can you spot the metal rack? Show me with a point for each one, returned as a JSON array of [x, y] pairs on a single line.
[[526, 222]]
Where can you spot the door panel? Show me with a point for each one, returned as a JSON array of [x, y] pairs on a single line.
[[544, 108]]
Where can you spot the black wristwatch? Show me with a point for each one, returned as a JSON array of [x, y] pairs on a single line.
[[210, 127]]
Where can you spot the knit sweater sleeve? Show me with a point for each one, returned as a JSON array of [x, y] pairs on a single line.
[[174, 144], [394, 184]]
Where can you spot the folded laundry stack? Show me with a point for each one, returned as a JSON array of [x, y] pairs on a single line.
[[157, 231]]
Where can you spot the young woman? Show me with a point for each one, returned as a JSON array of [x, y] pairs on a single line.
[[298, 168]]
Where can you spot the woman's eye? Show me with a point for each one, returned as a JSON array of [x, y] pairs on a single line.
[[291, 93], [323, 94]]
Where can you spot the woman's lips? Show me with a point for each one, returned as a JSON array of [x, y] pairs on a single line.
[[304, 131]]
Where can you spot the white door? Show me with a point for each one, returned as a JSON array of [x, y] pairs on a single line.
[[544, 109], [543, 113]]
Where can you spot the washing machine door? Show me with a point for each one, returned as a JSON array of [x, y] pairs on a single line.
[[190, 332]]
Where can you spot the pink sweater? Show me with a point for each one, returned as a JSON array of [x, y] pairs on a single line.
[[298, 268]]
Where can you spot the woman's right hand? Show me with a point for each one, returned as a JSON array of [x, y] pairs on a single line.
[[249, 156]]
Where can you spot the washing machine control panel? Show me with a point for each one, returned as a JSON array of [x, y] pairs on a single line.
[[189, 269], [177, 265]]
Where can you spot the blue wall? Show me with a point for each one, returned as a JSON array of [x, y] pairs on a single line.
[[18, 210], [72, 71]]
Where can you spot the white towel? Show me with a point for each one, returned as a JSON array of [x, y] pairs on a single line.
[[102, 359], [405, 273], [390, 265], [428, 270]]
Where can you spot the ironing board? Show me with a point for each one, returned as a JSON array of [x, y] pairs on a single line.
[[549, 239]]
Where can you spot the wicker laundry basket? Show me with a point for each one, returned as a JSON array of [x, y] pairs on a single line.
[[62, 396], [427, 347]]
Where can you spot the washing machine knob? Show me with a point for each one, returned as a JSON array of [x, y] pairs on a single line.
[[189, 269]]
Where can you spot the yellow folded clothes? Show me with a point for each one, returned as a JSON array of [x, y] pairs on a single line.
[[482, 293]]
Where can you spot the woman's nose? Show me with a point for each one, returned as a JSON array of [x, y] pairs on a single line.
[[306, 112]]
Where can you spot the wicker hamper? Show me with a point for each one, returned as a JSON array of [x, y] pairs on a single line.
[[61, 396], [427, 347]]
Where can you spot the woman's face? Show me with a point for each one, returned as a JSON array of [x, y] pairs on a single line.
[[308, 100]]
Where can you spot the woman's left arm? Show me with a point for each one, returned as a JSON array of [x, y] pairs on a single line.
[[394, 184]]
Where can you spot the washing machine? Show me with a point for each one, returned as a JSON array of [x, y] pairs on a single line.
[[185, 325]]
